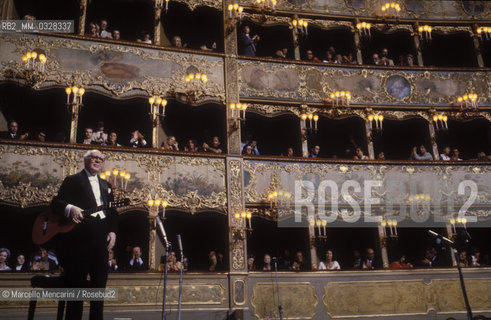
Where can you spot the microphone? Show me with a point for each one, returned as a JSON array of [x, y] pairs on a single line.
[[436, 235], [164, 240], [179, 242]]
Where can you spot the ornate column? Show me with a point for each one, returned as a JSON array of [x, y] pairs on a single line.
[[296, 45], [152, 237], [314, 260], [74, 123], [356, 36], [305, 142], [434, 145], [383, 247], [155, 128], [157, 25], [417, 45], [83, 15], [368, 135], [477, 48]]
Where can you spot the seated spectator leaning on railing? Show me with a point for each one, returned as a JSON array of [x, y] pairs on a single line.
[[13, 132], [421, 154]]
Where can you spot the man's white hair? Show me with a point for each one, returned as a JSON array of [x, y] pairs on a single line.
[[90, 153]]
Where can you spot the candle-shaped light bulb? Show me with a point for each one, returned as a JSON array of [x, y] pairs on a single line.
[[150, 202], [115, 172], [151, 100]]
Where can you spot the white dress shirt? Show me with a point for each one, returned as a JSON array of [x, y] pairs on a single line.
[[96, 190]]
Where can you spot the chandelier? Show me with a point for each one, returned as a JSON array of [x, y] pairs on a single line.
[[340, 98], [468, 101], [34, 67], [391, 9]]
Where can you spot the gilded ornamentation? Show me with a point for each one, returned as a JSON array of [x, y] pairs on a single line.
[[298, 299], [236, 204], [193, 4]]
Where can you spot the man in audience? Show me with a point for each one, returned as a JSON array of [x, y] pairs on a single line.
[[137, 140], [13, 134], [177, 42], [381, 156], [248, 43], [93, 30], [116, 34], [409, 60], [445, 155], [289, 152], [212, 48], [357, 263], [309, 56], [359, 154], [329, 58], [421, 154], [41, 137], [99, 137], [111, 263], [431, 259], [299, 264], [112, 140], [455, 155], [481, 156], [215, 146], [369, 262], [171, 144], [136, 261], [385, 56], [88, 136], [251, 266], [401, 62], [42, 262], [350, 59], [375, 59], [314, 152], [104, 33], [279, 54]]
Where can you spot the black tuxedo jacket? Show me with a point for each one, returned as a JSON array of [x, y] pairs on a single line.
[[7, 135], [76, 190]]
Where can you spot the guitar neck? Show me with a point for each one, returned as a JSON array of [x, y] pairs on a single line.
[[96, 209]]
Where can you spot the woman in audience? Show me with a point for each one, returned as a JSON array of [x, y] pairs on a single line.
[[401, 263], [93, 30], [267, 262], [4, 256], [20, 264], [329, 263], [191, 146]]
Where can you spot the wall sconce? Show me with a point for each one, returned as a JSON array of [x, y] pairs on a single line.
[[116, 174], [195, 85], [341, 97], [278, 197], [321, 228], [74, 96], [235, 11], [391, 9], [300, 26], [364, 28], [391, 225], [440, 121], [34, 67], [458, 220], [376, 121], [468, 101], [312, 126], [160, 3], [154, 205], [157, 106], [486, 31], [266, 5], [238, 111], [243, 216], [425, 32]]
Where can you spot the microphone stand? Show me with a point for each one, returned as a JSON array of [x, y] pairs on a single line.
[[166, 265], [451, 244], [180, 278], [280, 307]]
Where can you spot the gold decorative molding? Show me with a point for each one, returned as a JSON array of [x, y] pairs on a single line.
[[298, 299], [236, 204]]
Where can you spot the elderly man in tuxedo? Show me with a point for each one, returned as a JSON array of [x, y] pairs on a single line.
[[84, 250]]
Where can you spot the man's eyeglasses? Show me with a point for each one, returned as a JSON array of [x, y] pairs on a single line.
[[97, 158]]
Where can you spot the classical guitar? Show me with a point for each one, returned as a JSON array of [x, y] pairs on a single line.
[[47, 224]]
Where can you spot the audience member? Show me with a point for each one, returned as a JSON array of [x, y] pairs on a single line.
[[191, 146], [338, 59], [421, 154], [279, 54], [375, 59], [13, 132], [309, 56], [289, 152], [99, 136], [215, 146], [401, 61], [20, 264], [136, 261], [381, 156], [445, 155], [329, 263], [431, 259], [247, 150], [251, 266], [88, 133], [357, 263], [286, 261], [481, 156], [385, 56], [146, 38], [185, 264], [476, 258], [314, 152], [112, 140], [455, 155], [171, 144], [174, 265], [104, 32], [369, 261], [463, 259], [299, 264], [111, 263], [350, 59], [4, 256], [409, 60], [400, 263], [204, 47], [329, 58], [43, 262], [41, 137], [215, 261], [248, 43], [116, 34], [359, 154], [177, 42], [267, 263], [137, 140], [93, 30]]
